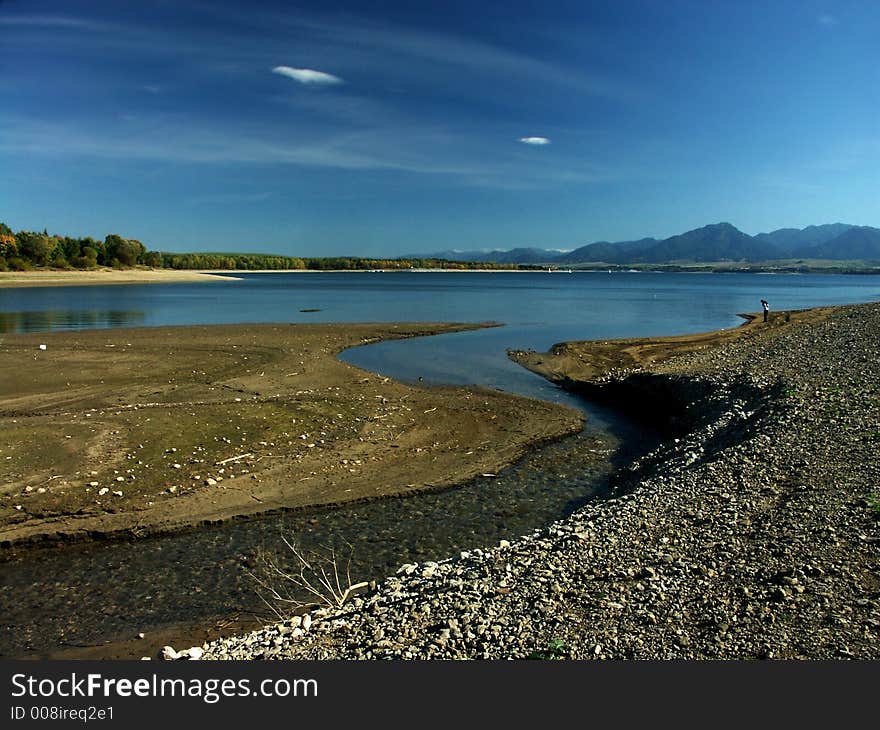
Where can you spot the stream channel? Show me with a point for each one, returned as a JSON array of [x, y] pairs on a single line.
[[93, 599]]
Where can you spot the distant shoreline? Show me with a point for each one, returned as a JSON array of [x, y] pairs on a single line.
[[14, 279], [98, 277]]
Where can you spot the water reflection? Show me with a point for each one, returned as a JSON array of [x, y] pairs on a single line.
[[69, 319]]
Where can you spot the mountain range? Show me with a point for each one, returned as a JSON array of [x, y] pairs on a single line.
[[717, 242]]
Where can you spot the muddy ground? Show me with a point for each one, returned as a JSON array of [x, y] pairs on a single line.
[[146, 430]]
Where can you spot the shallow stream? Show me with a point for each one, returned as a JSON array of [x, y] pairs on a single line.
[[95, 592]]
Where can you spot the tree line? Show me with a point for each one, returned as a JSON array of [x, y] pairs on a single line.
[[28, 249]]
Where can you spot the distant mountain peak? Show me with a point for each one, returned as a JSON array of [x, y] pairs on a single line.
[[720, 241]]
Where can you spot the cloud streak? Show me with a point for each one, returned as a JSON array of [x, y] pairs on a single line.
[[535, 141], [55, 21], [399, 147], [307, 75]]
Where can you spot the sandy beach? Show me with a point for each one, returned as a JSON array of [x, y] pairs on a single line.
[[131, 432], [10, 279]]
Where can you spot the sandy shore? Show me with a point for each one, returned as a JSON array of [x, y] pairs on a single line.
[[750, 533], [10, 279], [151, 429]]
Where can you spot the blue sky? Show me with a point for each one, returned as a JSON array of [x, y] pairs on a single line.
[[383, 128]]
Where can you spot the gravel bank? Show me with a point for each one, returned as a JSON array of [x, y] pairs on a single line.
[[752, 534]]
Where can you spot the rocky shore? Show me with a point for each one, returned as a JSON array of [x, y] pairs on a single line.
[[751, 533]]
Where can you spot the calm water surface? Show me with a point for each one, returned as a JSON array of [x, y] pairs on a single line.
[[538, 310]]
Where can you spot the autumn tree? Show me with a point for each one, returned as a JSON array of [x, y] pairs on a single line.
[[122, 250], [34, 247], [8, 246]]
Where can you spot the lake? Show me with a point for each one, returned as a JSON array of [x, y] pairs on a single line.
[[200, 576], [538, 309]]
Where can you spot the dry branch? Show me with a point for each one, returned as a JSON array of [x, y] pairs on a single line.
[[299, 580]]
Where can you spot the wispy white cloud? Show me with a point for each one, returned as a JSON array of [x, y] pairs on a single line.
[[827, 20], [62, 22], [307, 75], [403, 49], [371, 126], [536, 141], [401, 55], [455, 158]]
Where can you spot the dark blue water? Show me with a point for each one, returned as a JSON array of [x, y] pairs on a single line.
[[538, 309]]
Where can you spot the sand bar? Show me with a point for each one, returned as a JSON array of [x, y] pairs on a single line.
[[9, 279], [136, 431]]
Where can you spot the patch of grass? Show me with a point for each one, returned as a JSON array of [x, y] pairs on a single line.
[[557, 649], [874, 505]]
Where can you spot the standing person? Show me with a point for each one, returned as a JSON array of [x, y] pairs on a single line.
[[766, 308]]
